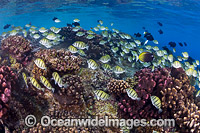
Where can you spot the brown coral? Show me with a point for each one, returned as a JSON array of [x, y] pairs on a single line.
[[71, 96], [37, 72], [117, 86], [59, 60], [18, 47], [178, 101]]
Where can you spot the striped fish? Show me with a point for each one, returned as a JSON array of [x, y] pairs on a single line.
[[101, 95], [46, 83], [118, 70], [106, 67], [198, 94], [40, 63], [35, 84], [72, 49], [156, 102], [92, 64], [105, 59], [132, 94], [25, 78], [58, 80], [80, 45]]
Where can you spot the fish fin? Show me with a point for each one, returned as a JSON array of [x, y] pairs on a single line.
[[43, 89], [53, 89], [65, 85], [26, 86], [98, 98], [87, 47], [159, 111]]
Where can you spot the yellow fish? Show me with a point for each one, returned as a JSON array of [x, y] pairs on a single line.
[[198, 94], [35, 84], [58, 80], [146, 57], [101, 95], [156, 102], [72, 49], [92, 64], [40, 63], [25, 78], [132, 94], [46, 83]]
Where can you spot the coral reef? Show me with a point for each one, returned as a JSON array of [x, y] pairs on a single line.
[[59, 60], [55, 112], [8, 81], [117, 87], [75, 97], [71, 96], [37, 72], [18, 47], [178, 100], [94, 79], [149, 83]]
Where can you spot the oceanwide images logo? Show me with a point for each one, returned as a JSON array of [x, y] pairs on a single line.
[[45, 121]]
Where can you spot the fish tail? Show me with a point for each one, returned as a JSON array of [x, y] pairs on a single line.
[[53, 89], [159, 111], [26, 86], [65, 85]]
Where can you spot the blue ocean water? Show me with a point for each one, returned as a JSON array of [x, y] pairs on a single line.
[[180, 18]]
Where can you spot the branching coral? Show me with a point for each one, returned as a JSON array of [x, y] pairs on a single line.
[[7, 82], [178, 99], [149, 83], [173, 87], [117, 87], [37, 72], [18, 47]]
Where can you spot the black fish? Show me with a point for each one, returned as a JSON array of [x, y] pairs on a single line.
[[149, 37], [146, 57], [190, 60], [185, 43], [54, 18], [6, 26], [143, 28], [172, 44], [168, 51], [138, 34], [76, 24], [69, 25], [159, 23], [180, 44], [160, 31]]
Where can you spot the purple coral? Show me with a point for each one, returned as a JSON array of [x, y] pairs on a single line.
[[7, 81], [149, 83], [18, 47]]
